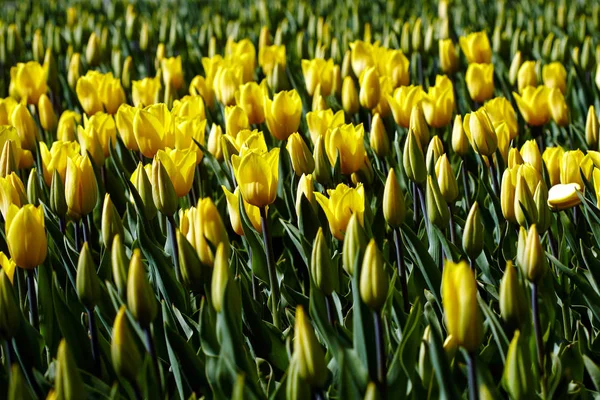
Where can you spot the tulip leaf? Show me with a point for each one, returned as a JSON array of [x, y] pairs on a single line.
[[258, 254], [220, 172], [299, 241], [593, 370], [496, 327], [191, 365], [48, 324]]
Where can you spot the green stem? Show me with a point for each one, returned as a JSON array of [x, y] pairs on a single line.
[[31, 294], [473, 388], [380, 353], [94, 340], [401, 269], [174, 248], [270, 266], [152, 352], [539, 341]]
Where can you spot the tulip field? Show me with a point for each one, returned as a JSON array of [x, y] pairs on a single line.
[[299, 199]]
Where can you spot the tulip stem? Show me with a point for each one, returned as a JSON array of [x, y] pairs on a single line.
[[76, 234], [174, 249], [152, 352], [84, 228], [465, 180], [552, 243], [380, 352], [473, 390], [539, 341], [401, 269], [33, 307], [423, 207], [452, 231], [416, 217], [270, 266], [94, 340], [9, 356], [493, 171], [330, 309]]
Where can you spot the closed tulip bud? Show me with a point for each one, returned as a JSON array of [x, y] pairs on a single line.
[[74, 70], [34, 191], [418, 125], [434, 151], [296, 387], [514, 157], [308, 353], [126, 72], [47, 114], [37, 46], [26, 127], [380, 143], [322, 171], [67, 382], [172, 72], [10, 317], [515, 67], [476, 48], [513, 302], [405, 38], [591, 128], [355, 243], [283, 114], [526, 75], [552, 158], [92, 51], [540, 198], [120, 265], [570, 171], [555, 76], [214, 142], [306, 189], [67, 126], [534, 105], [141, 181], [480, 81], [26, 235], [302, 159], [126, 357], [437, 208], [473, 233], [460, 141], [481, 133], [58, 202], [518, 379], [521, 243], [111, 221], [565, 196], [81, 190], [586, 58], [530, 153], [394, 209], [448, 58], [370, 89], [524, 207], [349, 96], [461, 310], [413, 159], [558, 107], [220, 278], [163, 191], [374, 281], [18, 387], [8, 162], [28, 81], [141, 300], [87, 282], [446, 179], [189, 264], [323, 271], [533, 259]]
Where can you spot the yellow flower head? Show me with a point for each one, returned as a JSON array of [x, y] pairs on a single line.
[[153, 128], [172, 72], [145, 92], [180, 166], [250, 97], [438, 103], [341, 204], [346, 142], [257, 175], [403, 101], [270, 56], [56, 158], [29, 80], [26, 235], [81, 190], [476, 48], [533, 104], [320, 121], [283, 113]]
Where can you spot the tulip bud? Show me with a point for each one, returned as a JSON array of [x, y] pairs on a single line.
[[448, 58], [92, 51], [323, 271], [591, 128], [87, 282], [74, 70], [437, 208], [302, 159], [413, 159], [532, 257], [349, 96], [524, 206], [8, 163], [372, 393], [308, 353], [214, 142], [296, 387], [374, 281], [394, 209], [120, 263], [126, 357], [68, 383], [34, 191], [513, 302], [518, 379], [586, 54], [126, 73], [370, 88], [540, 198], [18, 387], [530, 153], [473, 233], [322, 170], [355, 242], [418, 124], [189, 264], [460, 141], [141, 181], [278, 80], [380, 143], [58, 203], [10, 317], [417, 36], [220, 278], [163, 191], [526, 76], [480, 81], [111, 221], [446, 179], [141, 300], [558, 107], [47, 115], [478, 127]]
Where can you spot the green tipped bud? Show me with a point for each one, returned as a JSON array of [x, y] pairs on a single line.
[[417, 36], [532, 257], [591, 128], [435, 150], [525, 207], [308, 353], [144, 36], [189, 264], [380, 143], [141, 300], [92, 51], [13, 40], [18, 388], [37, 46], [586, 58], [120, 262], [355, 242], [446, 179], [8, 163], [126, 72], [372, 393], [515, 65], [278, 80], [394, 209], [126, 357], [413, 159], [87, 282], [10, 314], [418, 125], [437, 208], [513, 303], [521, 242], [116, 60], [220, 278], [323, 271], [473, 233], [425, 366], [163, 191], [34, 191], [518, 379], [540, 199], [68, 383], [111, 221], [141, 181], [547, 46], [322, 171], [405, 38], [374, 281], [296, 387]]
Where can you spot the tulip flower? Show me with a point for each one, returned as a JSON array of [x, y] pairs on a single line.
[[74, 70], [320, 121], [393, 201], [558, 107], [67, 126], [565, 196], [447, 54], [554, 76], [446, 179], [480, 81], [515, 66], [500, 110], [591, 128], [461, 310], [476, 48], [302, 158], [172, 72], [47, 114], [283, 114], [308, 354], [180, 166], [270, 56], [236, 120], [103, 127], [111, 93], [12, 191], [81, 190], [346, 143], [188, 131], [395, 67], [342, 203], [8, 267], [438, 103], [533, 104], [125, 355], [25, 125], [481, 133], [318, 72], [361, 56], [153, 128], [402, 103], [250, 98], [257, 176], [29, 80], [26, 235], [56, 158], [378, 138], [370, 88], [124, 123], [7, 106], [552, 158], [88, 92], [349, 96], [460, 141], [570, 167], [530, 153], [473, 233], [526, 76], [233, 209], [244, 53], [227, 80], [145, 92]]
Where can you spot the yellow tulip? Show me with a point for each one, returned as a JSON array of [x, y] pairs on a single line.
[[501, 110], [370, 88], [26, 235], [233, 209], [438, 103], [29, 80], [67, 126], [446, 179], [349, 96], [251, 99], [180, 166], [214, 142], [448, 58], [141, 180], [320, 121], [570, 167], [245, 141], [530, 153], [172, 72], [361, 56], [460, 141], [244, 53], [533, 104], [81, 190], [318, 72], [342, 203], [403, 101], [55, 159], [302, 158], [591, 128], [283, 114], [12, 191], [552, 158], [88, 92], [145, 92], [476, 48], [554, 76], [236, 120], [124, 123], [188, 130], [227, 80], [461, 309], [111, 93], [503, 135], [26, 127], [200, 87], [526, 75], [8, 266], [270, 56], [562, 197], [480, 81], [46, 113], [306, 189], [346, 142], [154, 129], [105, 129], [396, 67], [74, 70], [7, 106], [189, 107], [480, 132], [257, 175], [558, 107], [9, 140]]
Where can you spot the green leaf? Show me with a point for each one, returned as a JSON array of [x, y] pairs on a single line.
[[259, 258], [593, 370]]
